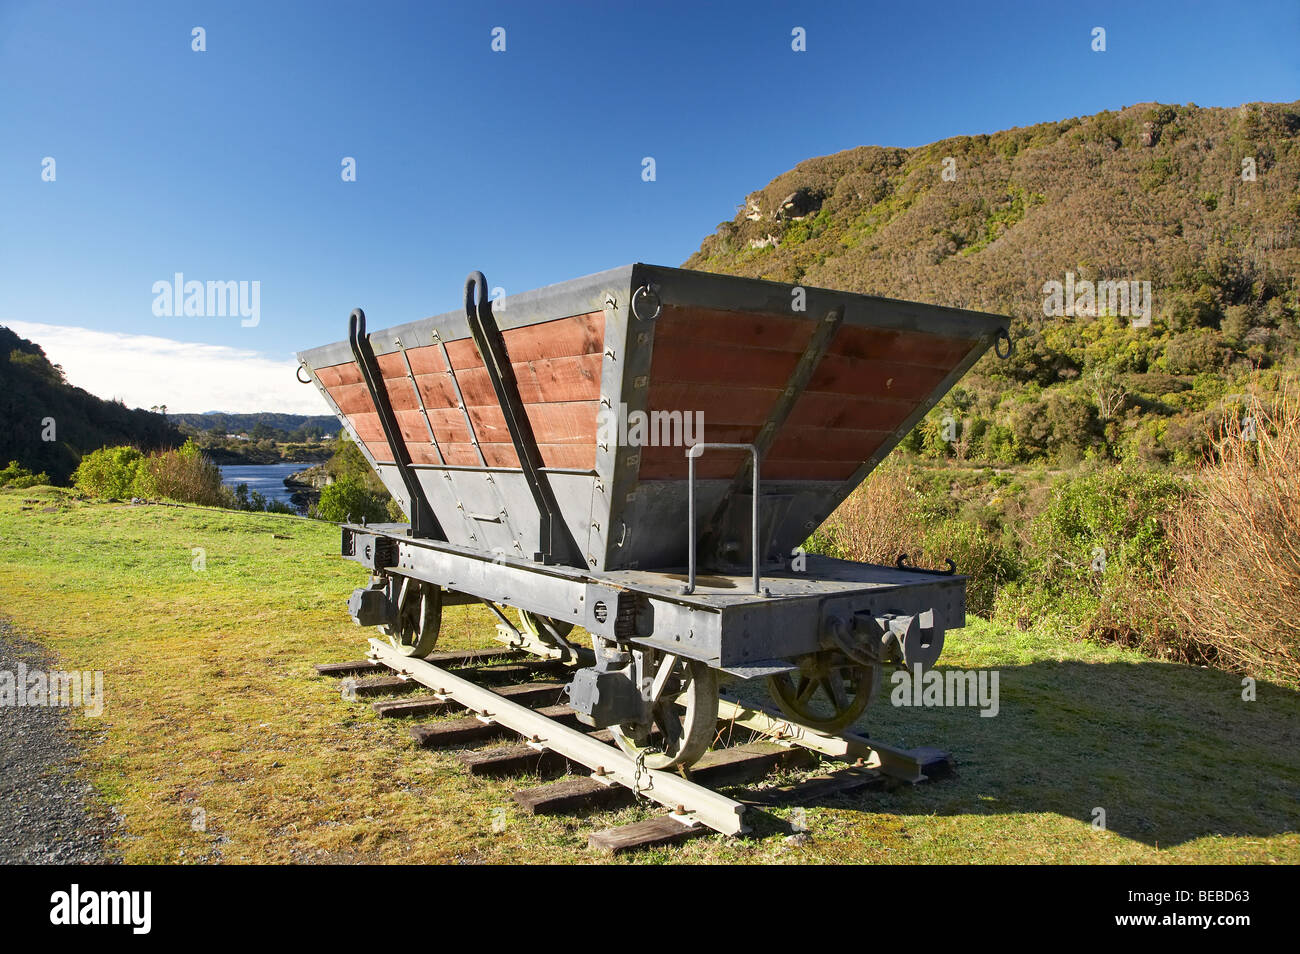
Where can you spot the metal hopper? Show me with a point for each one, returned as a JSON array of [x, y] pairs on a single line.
[[613, 376], [587, 452]]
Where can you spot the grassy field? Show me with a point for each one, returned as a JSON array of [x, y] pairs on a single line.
[[212, 705]]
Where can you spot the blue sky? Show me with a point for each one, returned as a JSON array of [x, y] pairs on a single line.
[[225, 164]]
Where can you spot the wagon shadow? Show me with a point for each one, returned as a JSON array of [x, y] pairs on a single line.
[[1170, 753]]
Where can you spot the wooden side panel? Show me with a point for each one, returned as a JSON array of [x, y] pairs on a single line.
[[868, 383], [729, 366], [734, 367], [556, 363]]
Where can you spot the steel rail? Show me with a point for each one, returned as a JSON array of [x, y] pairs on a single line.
[[701, 805], [888, 760]]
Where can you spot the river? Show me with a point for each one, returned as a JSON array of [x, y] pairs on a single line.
[[266, 479]]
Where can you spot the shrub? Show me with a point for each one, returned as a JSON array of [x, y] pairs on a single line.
[[894, 513], [17, 476], [1235, 580], [185, 474], [348, 499], [108, 472], [1194, 351], [1094, 556]]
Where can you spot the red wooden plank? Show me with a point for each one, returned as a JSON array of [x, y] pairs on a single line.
[[426, 359], [438, 391], [861, 377], [855, 413], [578, 334], [825, 443], [935, 351], [721, 404], [706, 326], [423, 453], [686, 361], [336, 374], [351, 398]]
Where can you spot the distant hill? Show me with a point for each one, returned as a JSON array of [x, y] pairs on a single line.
[[37, 403], [283, 425], [1151, 193]]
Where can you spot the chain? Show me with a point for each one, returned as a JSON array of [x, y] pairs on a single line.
[[639, 771]]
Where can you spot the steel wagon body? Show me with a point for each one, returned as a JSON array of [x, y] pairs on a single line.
[[588, 453]]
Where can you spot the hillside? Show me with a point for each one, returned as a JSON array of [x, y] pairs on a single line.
[[47, 424], [273, 423], [1151, 193]]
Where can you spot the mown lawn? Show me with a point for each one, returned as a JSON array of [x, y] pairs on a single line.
[[212, 705]]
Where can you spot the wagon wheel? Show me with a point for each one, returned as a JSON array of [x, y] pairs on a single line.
[[531, 625], [684, 708], [827, 692], [418, 618]]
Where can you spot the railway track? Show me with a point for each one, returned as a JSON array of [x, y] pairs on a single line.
[[503, 712]]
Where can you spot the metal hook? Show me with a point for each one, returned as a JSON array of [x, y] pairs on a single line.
[[476, 281], [298, 374], [649, 291], [902, 564], [1003, 335]]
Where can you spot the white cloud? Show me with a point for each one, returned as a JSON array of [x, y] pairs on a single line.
[[143, 371]]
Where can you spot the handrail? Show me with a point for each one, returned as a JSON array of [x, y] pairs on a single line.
[[423, 521], [555, 541], [692, 452]]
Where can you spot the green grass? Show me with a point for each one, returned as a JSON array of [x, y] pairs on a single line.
[[212, 704]]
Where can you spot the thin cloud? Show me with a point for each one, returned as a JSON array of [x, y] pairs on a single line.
[[189, 378]]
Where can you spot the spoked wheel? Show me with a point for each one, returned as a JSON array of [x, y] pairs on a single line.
[[683, 708], [419, 618], [827, 692]]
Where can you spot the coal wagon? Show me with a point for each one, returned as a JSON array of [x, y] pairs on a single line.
[[641, 453]]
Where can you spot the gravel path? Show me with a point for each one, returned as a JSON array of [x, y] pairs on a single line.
[[48, 814]]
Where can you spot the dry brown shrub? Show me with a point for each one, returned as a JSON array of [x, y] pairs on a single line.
[[878, 521], [184, 474], [1235, 580]]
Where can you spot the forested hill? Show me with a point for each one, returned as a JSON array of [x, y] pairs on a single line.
[[1202, 203], [46, 424], [272, 423]]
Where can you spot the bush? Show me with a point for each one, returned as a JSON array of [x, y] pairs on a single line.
[[1194, 351], [893, 513], [1235, 581], [1095, 555], [186, 475], [17, 476], [108, 473], [348, 499]]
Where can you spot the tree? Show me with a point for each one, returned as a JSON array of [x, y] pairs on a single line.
[[1109, 394]]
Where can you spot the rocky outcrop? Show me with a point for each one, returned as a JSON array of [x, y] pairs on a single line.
[[306, 485], [797, 205]]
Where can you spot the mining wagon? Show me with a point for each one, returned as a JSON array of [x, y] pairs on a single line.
[[641, 454]]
